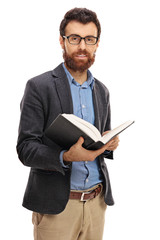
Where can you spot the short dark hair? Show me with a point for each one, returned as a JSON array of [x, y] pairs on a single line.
[[82, 15]]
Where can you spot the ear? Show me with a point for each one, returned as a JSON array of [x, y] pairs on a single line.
[[61, 41], [98, 42]]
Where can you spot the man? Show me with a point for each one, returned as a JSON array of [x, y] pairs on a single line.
[[67, 190]]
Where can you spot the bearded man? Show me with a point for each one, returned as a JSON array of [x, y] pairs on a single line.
[[68, 190]]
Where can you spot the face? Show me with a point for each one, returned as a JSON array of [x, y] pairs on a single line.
[[79, 57]]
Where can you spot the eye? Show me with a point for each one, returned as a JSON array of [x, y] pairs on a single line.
[[90, 40], [74, 38]]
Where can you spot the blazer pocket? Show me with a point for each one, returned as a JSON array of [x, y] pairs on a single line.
[[41, 171]]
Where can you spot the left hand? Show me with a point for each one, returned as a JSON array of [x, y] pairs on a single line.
[[112, 144]]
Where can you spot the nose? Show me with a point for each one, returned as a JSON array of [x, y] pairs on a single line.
[[82, 45]]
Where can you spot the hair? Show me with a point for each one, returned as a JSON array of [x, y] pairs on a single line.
[[81, 15]]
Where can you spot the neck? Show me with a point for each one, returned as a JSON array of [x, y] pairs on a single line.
[[78, 76]]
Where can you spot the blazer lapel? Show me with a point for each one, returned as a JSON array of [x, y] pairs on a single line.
[[63, 89], [96, 108]]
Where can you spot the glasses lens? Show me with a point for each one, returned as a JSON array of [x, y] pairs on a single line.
[[90, 40], [74, 39]]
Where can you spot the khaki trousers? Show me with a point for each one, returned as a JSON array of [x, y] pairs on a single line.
[[79, 221]]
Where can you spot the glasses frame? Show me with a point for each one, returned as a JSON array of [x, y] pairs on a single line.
[[84, 38]]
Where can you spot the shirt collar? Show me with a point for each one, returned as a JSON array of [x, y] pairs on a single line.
[[90, 79]]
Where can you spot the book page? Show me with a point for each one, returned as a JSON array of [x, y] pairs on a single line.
[[85, 126], [108, 136]]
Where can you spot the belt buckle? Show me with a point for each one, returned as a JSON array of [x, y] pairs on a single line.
[[82, 196]]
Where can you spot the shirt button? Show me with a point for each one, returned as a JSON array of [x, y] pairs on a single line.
[[87, 180], [83, 106], [86, 162]]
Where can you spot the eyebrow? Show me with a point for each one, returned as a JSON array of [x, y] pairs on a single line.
[[74, 34]]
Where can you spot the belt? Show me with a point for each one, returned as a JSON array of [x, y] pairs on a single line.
[[84, 196]]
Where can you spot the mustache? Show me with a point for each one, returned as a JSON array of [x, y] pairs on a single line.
[[81, 52]]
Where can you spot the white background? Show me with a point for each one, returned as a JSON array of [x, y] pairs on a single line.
[[128, 63]]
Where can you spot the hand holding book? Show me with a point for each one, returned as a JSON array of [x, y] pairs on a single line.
[[113, 143], [77, 153]]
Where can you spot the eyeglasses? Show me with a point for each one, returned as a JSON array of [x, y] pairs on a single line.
[[76, 39]]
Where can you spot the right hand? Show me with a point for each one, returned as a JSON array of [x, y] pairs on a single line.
[[78, 153]]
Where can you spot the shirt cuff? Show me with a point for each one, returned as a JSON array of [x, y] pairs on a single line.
[[61, 159]]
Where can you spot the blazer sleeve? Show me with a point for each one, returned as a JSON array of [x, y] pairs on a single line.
[[32, 147]]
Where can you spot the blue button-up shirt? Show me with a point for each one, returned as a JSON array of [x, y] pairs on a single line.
[[84, 174]]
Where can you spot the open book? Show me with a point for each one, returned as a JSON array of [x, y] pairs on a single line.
[[66, 129]]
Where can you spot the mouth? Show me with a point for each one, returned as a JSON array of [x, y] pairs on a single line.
[[81, 56]]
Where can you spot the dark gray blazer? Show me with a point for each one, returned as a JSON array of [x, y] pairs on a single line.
[[44, 98]]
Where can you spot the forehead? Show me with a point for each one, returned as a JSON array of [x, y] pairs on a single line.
[[81, 29]]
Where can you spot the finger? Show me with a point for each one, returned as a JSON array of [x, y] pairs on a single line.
[[116, 138], [113, 146], [109, 146], [111, 142], [105, 133]]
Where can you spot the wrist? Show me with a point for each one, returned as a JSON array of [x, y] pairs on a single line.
[[65, 159]]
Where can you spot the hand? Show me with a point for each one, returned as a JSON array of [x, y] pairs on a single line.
[[77, 153], [113, 144]]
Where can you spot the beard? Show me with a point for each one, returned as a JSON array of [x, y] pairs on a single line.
[[78, 64]]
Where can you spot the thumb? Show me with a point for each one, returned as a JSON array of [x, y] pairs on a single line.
[[80, 141]]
